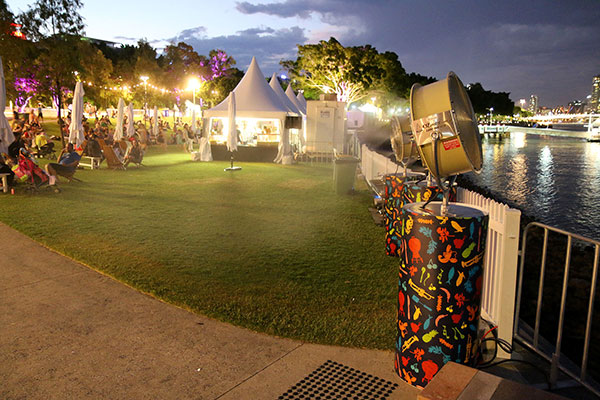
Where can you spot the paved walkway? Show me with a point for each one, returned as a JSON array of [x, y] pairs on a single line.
[[67, 331]]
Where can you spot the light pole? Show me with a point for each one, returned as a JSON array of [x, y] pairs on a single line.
[[491, 109], [193, 85], [145, 80]]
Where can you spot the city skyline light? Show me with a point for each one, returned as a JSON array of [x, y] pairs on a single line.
[[543, 47]]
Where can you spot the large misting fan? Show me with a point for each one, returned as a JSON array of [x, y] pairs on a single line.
[[443, 129]]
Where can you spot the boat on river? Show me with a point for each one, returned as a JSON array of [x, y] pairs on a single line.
[[492, 129], [594, 129]]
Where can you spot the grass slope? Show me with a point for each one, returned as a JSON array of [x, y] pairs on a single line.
[[271, 248]]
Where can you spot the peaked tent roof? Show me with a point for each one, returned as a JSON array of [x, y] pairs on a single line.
[[289, 92], [302, 101], [253, 98], [274, 83]]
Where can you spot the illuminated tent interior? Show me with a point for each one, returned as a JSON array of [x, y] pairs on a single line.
[[260, 112]]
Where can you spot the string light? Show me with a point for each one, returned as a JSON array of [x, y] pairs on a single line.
[[127, 88]]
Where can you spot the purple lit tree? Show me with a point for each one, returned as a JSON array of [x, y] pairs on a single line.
[[64, 93], [220, 63], [26, 88]]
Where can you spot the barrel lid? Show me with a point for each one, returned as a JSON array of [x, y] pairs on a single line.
[[458, 210]]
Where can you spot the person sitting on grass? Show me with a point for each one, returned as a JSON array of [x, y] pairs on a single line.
[[67, 162], [134, 154], [40, 140]]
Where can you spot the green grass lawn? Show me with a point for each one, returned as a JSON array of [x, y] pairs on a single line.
[[271, 248]]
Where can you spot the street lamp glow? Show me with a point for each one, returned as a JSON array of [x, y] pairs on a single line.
[[144, 79], [193, 85]]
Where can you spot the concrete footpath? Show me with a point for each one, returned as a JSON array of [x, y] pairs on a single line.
[[69, 332]]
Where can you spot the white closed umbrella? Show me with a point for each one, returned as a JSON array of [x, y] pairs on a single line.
[[231, 132], [194, 130], [76, 135], [155, 125], [130, 126], [119, 128], [6, 134]]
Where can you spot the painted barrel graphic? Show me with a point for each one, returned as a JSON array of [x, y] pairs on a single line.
[[399, 191], [439, 289]]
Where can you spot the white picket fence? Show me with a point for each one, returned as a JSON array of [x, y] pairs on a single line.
[[500, 266], [502, 249], [373, 165]]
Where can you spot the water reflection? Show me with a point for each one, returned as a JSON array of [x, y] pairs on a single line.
[[545, 181], [518, 140], [556, 180]]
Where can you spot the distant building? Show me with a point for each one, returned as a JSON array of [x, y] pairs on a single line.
[[100, 42], [543, 111], [595, 98], [533, 104], [576, 107]]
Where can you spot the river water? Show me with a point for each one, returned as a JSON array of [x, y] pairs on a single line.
[[553, 179]]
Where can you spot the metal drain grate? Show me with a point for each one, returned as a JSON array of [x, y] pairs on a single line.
[[333, 380]]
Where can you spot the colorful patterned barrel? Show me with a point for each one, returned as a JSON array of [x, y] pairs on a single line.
[[439, 289], [399, 192]]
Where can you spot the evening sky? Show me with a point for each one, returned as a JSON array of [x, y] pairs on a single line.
[[546, 47]]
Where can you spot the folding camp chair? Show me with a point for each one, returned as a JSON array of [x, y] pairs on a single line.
[[112, 161]]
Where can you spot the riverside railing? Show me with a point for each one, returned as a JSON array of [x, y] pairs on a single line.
[[532, 341], [500, 268]]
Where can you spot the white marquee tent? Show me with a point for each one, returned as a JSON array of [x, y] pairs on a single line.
[[289, 92], [260, 112], [274, 83]]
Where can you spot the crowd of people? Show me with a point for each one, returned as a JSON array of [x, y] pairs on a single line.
[[32, 143]]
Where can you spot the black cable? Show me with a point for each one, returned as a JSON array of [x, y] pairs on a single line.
[[504, 345]]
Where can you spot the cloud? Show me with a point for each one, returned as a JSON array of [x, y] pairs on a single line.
[[126, 38], [286, 9], [257, 31], [268, 45], [544, 47], [191, 33]]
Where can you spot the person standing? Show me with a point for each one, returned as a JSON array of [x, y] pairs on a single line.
[[40, 114]]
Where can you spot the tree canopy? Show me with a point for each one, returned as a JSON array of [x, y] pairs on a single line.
[[46, 68], [332, 68], [352, 73], [483, 100]]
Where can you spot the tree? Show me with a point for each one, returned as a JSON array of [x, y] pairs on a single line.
[[181, 62], [26, 87], [16, 53], [95, 69], [220, 63], [57, 26], [349, 72], [483, 100], [215, 91]]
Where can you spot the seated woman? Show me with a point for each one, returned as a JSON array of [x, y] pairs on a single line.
[[67, 163], [135, 153]]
